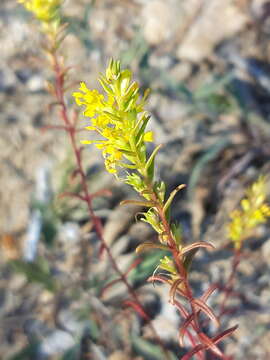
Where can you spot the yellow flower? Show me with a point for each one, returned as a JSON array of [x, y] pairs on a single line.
[[44, 10], [116, 118], [254, 211], [92, 100]]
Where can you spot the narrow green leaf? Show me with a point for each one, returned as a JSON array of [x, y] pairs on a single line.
[[152, 156], [138, 202], [150, 246], [210, 88], [35, 272], [105, 85], [128, 166], [131, 91], [146, 94], [145, 119], [168, 214], [189, 258], [177, 233], [150, 165], [112, 116], [128, 152], [172, 195], [148, 350], [160, 190]]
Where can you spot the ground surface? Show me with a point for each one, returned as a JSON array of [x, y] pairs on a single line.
[[207, 63]]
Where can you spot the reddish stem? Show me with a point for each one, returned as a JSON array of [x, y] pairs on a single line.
[[180, 266], [229, 286]]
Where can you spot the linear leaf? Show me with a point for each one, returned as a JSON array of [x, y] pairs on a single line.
[[127, 152], [201, 305], [208, 292], [159, 278], [150, 165], [189, 258], [173, 289], [198, 244], [215, 340], [210, 344], [192, 352], [183, 329], [138, 202], [137, 307], [224, 334], [145, 118], [105, 85], [172, 195], [149, 246]]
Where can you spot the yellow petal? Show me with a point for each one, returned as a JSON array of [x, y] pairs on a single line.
[[92, 128], [148, 136], [83, 87]]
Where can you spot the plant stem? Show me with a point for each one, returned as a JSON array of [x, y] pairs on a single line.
[[174, 250], [229, 286], [71, 130]]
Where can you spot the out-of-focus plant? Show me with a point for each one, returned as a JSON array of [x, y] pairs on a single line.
[[253, 212], [44, 10]]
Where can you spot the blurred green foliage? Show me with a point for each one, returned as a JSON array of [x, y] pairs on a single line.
[[37, 272]]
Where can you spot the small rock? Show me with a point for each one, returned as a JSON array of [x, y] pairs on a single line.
[[114, 293], [246, 268], [217, 21], [69, 234], [259, 8], [161, 62], [18, 281], [120, 246], [7, 80], [24, 75], [46, 297], [58, 342], [181, 71], [71, 322], [170, 115], [266, 251], [167, 320], [118, 355], [35, 83], [160, 20], [97, 352], [141, 232]]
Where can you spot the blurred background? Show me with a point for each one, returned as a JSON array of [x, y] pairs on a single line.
[[207, 64]]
